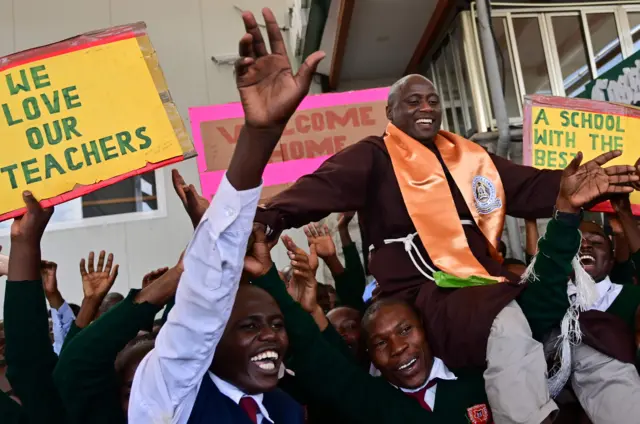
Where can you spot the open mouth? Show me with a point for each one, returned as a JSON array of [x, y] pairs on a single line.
[[425, 123], [587, 260], [408, 366], [266, 361]]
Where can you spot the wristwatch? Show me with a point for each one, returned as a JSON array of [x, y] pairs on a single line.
[[568, 218]]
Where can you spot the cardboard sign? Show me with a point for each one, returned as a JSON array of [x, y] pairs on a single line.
[[557, 128], [322, 126], [84, 113]]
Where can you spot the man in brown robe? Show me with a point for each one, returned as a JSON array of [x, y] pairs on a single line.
[[361, 177]]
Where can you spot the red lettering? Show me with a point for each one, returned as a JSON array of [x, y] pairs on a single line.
[[350, 115], [338, 142], [285, 152], [315, 149], [365, 119], [289, 130], [300, 126], [230, 139], [296, 148], [317, 121]]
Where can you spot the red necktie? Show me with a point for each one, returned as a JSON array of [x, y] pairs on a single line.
[[251, 408], [419, 395]]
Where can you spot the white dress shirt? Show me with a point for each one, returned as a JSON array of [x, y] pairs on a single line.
[[235, 394], [438, 370], [607, 293], [61, 320], [167, 380]]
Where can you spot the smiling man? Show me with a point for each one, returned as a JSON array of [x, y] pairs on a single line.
[[216, 359], [428, 201]]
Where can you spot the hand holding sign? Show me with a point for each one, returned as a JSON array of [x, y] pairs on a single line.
[[581, 185], [269, 91]]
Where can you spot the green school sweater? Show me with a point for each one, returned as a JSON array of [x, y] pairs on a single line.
[[339, 383], [85, 374], [350, 285], [544, 302], [29, 352]]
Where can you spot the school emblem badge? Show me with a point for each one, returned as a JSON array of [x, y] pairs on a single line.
[[478, 414], [484, 193]]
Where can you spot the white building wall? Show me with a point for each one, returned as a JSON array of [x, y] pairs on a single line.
[[186, 34]]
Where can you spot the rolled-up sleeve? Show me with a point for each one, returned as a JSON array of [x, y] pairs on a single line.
[[168, 378]]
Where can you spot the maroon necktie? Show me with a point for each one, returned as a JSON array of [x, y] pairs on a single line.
[[419, 395], [251, 408]]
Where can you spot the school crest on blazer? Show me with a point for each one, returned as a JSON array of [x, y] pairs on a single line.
[[479, 414], [484, 194]]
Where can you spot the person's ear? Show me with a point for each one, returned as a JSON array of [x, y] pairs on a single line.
[[389, 113]]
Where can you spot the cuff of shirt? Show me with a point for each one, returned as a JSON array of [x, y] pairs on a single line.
[[229, 204]]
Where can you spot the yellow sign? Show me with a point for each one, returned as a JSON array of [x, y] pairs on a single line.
[[557, 128], [81, 117]]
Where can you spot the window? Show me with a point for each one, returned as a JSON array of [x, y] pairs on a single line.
[[551, 49], [572, 53], [505, 60], [533, 61], [133, 198], [607, 51]]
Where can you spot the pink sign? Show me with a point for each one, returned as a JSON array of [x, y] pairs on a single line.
[[323, 125]]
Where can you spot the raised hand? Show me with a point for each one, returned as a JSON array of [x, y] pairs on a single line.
[[303, 284], [26, 233], [97, 281], [320, 237], [153, 276], [269, 91], [258, 261], [30, 226], [583, 184], [621, 203], [50, 284], [193, 202]]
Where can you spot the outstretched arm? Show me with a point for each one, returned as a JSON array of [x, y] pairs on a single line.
[[544, 301]]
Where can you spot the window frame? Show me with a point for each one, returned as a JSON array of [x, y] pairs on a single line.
[[545, 15], [121, 218]]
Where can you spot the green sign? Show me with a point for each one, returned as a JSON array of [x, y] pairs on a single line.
[[620, 84]]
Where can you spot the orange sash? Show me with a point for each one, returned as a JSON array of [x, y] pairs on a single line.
[[427, 196]]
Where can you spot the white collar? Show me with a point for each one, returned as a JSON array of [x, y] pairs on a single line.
[[235, 394], [438, 370], [607, 293]]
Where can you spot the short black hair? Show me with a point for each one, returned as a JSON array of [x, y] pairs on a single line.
[[380, 303]]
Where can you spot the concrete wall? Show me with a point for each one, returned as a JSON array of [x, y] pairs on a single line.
[[186, 34]]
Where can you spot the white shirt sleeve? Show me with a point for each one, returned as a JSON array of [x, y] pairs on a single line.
[[167, 380], [61, 320]]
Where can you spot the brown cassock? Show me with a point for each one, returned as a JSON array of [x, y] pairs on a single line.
[[361, 178]]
